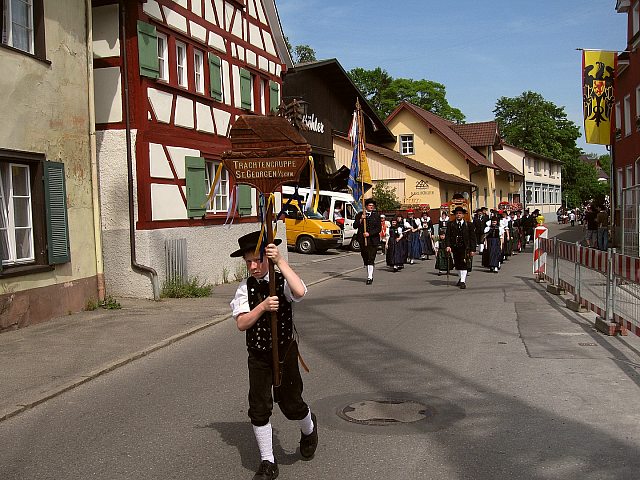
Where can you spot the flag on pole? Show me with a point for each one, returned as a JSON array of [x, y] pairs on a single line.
[[598, 71], [359, 174]]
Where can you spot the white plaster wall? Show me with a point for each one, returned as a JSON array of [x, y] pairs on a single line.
[[167, 203], [175, 20], [184, 112], [106, 39]]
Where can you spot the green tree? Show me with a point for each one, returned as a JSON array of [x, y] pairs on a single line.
[[385, 196], [533, 123], [300, 53], [384, 93]]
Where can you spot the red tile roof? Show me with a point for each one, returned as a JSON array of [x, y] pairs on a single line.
[[479, 134], [443, 127], [504, 165], [418, 166]]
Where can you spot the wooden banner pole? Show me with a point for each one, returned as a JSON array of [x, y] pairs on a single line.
[[272, 292]]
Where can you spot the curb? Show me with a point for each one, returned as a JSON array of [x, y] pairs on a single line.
[[9, 413]]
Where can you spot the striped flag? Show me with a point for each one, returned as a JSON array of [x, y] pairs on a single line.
[[359, 174]]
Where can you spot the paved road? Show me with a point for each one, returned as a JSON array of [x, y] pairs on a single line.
[[507, 385]]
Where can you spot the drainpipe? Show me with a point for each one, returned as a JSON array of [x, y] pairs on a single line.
[[143, 269], [95, 192]]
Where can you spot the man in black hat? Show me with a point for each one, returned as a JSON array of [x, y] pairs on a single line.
[[461, 241], [252, 307], [370, 232]]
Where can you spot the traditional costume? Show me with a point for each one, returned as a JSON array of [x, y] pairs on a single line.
[[368, 221], [492, 255], [395, 253], [461, 238], [426, 237], [413, 227]]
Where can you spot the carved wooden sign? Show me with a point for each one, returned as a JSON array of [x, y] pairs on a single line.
[[266, 152]]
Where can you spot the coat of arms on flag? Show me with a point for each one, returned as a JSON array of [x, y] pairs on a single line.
[[598, 71]]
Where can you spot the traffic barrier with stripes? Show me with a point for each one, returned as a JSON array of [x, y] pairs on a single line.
[[539, 253], [604, 282]]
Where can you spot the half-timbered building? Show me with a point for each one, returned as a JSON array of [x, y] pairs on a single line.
[[171, 77]]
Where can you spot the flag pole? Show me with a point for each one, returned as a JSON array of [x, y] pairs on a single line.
[[361, 140]]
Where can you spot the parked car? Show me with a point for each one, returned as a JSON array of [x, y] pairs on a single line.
[[341, 208], [309, 232]]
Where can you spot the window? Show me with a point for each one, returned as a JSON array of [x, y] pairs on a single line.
[[198, 70], [536, 167], [619, 186], [220, 202], [628, 181], [545, 194], [618, 125], [406, 145], [163, 58], [33, 212], [627, 115], [637, 171], [536, 194], [18, 31], [263, 88], [16, 224], [181, 64], [636, 18], [637, 107]]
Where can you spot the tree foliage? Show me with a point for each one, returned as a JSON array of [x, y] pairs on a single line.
[[300, 53], [384, 93], [385, 196], [580, 184], [533, 123]]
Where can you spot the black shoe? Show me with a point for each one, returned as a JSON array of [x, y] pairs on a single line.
[[459, 283], [463, 286], [266, 471], [369, 281], [309, 443]]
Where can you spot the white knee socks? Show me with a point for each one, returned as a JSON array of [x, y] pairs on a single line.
[[369, 271], [463, 276], [264, 437], [306, 424]]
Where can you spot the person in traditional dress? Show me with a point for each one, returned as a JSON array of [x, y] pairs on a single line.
[[384, 232], [460, 240], [413, 226], [369, 226], [444, 262], [426, 236], [395, 253], [443, 221], [402, 245], [492, 255], [251, 307]]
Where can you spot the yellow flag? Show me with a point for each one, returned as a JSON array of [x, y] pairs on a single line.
[[598, 71]]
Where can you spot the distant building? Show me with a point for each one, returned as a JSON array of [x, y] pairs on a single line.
[[171, 77], [591, 160], [626, 145], [49, 235], [542, 187]]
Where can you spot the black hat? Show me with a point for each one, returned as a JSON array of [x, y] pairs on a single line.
[[369, 201], [459, 209], [249, 242]]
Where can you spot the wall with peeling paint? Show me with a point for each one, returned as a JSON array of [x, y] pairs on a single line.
[[44, 108]]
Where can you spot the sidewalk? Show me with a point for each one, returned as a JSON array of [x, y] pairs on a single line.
[[42, 361]]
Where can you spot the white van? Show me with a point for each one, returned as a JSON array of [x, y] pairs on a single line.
[[341, 208]]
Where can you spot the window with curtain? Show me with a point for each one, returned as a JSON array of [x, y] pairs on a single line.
[[220, 202]]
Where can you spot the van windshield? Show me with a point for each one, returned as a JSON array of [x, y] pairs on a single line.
[[314, 215]]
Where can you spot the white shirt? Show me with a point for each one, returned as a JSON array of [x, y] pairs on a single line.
[[407, 225], [240, 302]]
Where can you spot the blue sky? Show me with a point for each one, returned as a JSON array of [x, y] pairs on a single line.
[[480, 50]]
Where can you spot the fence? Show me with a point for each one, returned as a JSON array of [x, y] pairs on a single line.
[[607, 283]]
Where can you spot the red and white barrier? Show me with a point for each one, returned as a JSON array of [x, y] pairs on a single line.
[[594, 259], [567, 251], [627, 268], [539, 254]]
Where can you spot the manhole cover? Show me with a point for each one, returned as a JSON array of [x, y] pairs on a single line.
[[588, 344], [385, 412]]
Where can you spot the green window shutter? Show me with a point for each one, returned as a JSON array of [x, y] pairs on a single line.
[[196, 186], [55, 198], [215, 77], [148, 50], [244, 200], [274, 96], [245, 88]]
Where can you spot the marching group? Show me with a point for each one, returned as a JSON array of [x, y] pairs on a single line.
[[495, 235]]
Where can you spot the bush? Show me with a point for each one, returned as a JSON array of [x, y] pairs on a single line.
[[109, 303], [190, 288]]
